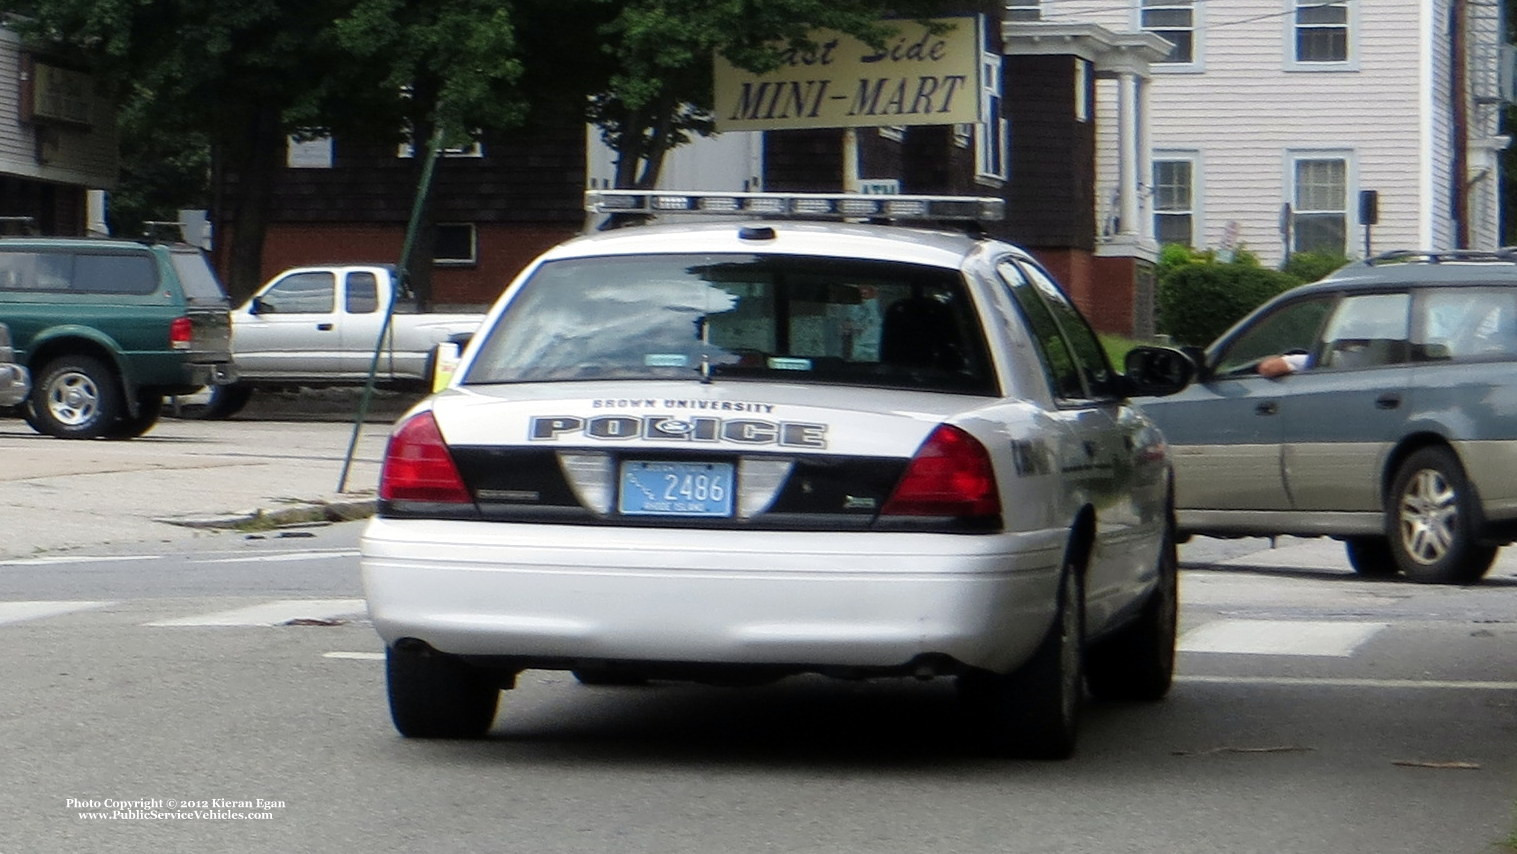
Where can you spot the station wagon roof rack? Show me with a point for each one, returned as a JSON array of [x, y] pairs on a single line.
[[804, 206], [1506, 254]]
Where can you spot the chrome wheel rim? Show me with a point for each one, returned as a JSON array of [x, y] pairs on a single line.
[[73, 399], [1429, 514]]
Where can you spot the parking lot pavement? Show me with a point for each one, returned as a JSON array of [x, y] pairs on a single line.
[[188, 479]]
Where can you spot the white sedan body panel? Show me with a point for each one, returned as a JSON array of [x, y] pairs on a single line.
[[732, 597]]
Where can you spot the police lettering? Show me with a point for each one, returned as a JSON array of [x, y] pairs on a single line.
[[743, 431]]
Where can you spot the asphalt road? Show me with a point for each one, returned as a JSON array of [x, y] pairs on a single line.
[[1314, 711]]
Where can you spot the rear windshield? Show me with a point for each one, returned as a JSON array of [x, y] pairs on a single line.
[[78, 272], [200, 284], [766, 317]]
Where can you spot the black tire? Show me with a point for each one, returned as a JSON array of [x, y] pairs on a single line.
[[434, 695], [1137, 662], [1371, 557], [225, 401], [76, 397], [1430, 521], [1034, 711], [128, 426]]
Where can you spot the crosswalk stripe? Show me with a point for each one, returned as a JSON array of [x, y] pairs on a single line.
[[1350, 682], [285, 557], [272, 613], [355, 656], [1279, 637], [15, 612], [66, 559]]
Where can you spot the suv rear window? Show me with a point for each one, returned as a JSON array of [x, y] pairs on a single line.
[[200, 284], [769, 317], [79, 272]]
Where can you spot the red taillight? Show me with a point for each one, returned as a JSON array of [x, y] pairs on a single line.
[[180, 332], [418, 466], [950, 475]]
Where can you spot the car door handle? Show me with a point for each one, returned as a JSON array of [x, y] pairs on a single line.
[[1268, 407], [1389, 400], [324, 327]]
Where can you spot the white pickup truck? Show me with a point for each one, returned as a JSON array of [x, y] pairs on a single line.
[[317, 327]]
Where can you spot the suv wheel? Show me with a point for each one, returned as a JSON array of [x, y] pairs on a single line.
[[1430, 516], [1034, 711], [77, 397], [434, 695], [149, 409], [1371, 556]]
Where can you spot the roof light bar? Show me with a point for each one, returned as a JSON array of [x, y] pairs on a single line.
[[798, 205]]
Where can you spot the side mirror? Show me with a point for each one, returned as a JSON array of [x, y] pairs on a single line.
[[1158, 371], [444, 362], [256, 306]]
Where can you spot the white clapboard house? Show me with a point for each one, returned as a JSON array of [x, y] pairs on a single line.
[[1271, 122]]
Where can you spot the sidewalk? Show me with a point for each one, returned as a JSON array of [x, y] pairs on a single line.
[[190, 479]]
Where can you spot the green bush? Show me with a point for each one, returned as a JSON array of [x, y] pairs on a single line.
[[1199, 301], [1311, 266]]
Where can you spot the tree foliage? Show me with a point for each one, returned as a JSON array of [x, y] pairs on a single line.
[[236, 79]]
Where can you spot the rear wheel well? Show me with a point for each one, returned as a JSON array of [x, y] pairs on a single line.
[[1082, 538], [1408, 446], [71, 347]]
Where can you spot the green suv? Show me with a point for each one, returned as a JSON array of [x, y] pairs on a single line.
[[108, 328]]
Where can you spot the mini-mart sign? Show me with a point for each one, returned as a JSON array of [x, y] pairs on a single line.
[[918, 78]]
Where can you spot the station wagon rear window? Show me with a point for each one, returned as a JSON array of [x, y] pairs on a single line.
[[739, 317]]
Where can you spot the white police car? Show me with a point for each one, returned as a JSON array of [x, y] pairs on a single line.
[[741, 449]]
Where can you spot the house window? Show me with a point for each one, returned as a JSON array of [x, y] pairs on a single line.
[[473, 149], [1024, 10], [1319, 204], [1321, 31], [1175, 22], [455, 244], [308, 153], [1174, 201], [991, 154]]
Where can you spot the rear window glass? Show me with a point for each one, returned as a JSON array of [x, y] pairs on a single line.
[[775, 318], [78, 272], [200, 283]]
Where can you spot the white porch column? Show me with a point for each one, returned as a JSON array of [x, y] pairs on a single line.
[[1145, 228], [1128, 145]]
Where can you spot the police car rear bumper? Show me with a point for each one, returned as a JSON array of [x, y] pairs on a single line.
[[547, 594]]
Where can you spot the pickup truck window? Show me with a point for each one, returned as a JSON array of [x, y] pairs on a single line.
[[301, 293], [363, 293]]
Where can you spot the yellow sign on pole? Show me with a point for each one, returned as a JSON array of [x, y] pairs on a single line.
[[917, 78]]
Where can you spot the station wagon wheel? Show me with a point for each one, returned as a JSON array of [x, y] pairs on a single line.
[[77, 397], [1034, 711], [1137, 662], [434, 695], [1371, 556], [1430, 521]]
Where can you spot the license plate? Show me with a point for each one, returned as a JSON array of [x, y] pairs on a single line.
[[653, 488]]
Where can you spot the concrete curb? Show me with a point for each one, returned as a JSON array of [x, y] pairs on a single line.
[[297, 513]]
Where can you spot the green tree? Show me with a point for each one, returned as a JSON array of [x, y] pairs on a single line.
[[228, 73], [448, 71]]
